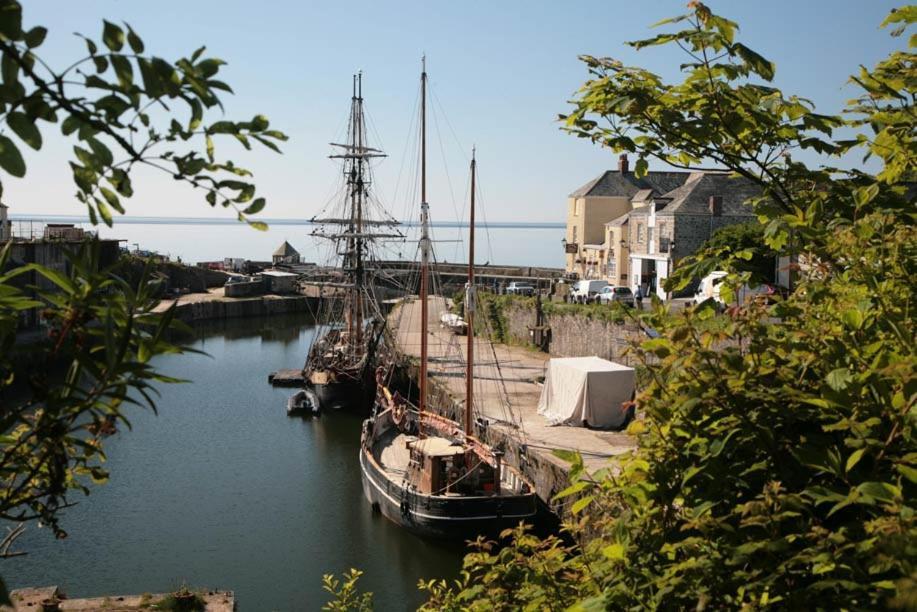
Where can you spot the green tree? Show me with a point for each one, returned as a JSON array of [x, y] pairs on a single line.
[[123, 108], [757, 258], [776, 464]]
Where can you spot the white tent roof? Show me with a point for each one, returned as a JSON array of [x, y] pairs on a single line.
[[583, 391]]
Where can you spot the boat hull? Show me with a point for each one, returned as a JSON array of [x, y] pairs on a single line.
[[441, 517], [354, 395]]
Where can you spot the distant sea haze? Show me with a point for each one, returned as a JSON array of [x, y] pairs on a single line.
[[195, 239]]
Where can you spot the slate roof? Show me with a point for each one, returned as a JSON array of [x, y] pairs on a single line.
[[693, 196], [626, 184], [285, 250]]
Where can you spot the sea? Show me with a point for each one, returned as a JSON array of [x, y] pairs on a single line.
[[194, 240]]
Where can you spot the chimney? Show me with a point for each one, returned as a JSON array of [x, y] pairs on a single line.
[[622, 163], [716, 205]]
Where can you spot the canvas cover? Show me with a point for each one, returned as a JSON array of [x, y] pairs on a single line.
[[586, 390]]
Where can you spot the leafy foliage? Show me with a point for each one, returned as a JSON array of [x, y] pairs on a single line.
[[744, 245], [345, 597], [124, 108], [533, 574], [776, 464]]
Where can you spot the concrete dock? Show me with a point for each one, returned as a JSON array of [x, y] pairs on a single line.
[[506, 394], [33, 598]]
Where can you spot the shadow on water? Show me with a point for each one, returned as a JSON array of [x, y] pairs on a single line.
[[223, 490]]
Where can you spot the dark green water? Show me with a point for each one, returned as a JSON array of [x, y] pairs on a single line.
[[222, 490]]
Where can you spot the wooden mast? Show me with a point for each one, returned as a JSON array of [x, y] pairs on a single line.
[[424, 236], [469, 312], [357, 303]]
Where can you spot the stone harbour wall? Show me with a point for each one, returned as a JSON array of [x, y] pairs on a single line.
[[268, 305], [573, 333]]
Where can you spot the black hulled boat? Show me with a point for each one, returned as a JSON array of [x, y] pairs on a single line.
[[428, 473]]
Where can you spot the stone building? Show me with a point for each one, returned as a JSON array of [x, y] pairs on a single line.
[[631, 231], [600, 201], [668, 226], [285, 255]]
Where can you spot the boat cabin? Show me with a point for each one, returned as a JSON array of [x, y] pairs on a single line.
[[439, 466]]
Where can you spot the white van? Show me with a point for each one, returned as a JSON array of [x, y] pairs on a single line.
[[587, 290]]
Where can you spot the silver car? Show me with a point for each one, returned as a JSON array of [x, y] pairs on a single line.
[[617, 294]]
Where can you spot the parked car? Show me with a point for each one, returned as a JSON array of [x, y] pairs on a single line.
[[616, 294], [520, 289], [586, 291]]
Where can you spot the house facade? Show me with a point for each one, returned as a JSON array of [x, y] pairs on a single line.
[[675, 224], [590, 245], [631, 231]]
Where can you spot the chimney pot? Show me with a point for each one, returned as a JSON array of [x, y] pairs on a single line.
[[622, 163]]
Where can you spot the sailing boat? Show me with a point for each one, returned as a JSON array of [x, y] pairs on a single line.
[[426, 472], [339, 367]]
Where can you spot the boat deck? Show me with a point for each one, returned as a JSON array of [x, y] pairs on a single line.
[[392, 454]]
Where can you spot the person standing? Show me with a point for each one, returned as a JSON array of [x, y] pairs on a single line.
[[639, 297]]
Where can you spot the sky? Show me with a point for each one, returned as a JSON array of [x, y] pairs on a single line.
[[500, 72]]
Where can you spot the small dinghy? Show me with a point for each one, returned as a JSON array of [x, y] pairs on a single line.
[[303, 403]]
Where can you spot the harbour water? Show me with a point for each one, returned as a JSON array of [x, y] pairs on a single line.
[[194, 240], [223, 490]]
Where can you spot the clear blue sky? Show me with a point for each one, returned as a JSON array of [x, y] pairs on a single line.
[[501, 70]]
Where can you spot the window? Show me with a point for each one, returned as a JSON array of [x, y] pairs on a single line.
[[577, 207], [640, 236], [612, 268]]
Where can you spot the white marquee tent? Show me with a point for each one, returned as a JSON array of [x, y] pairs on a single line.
[[583, 391]]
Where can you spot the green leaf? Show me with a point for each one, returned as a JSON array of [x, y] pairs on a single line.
[[908, 472], [35, 37], [112, 36], [10, 158], [112, 199], [839, 378], [580, 504], [24, 128], [102, 153], [104, 211], [573, 489], [567, 455], [69, 125], [879, 490], [758, 64], [123, 70], [641, 168], [853, 318], [615, 552], [258, 225], [209, 142], [255, 207], [133, 40], [854, 458], [9, 69], [11, 20]]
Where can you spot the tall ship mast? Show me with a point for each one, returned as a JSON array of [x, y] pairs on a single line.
[[421, 470], [340, 363]]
